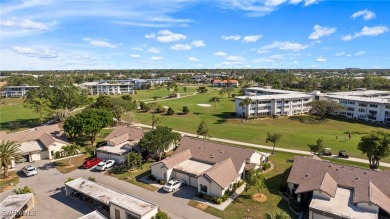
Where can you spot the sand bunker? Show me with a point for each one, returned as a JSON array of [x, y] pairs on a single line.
[[203, 105], [166, 107]]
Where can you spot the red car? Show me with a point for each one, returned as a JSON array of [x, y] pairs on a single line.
[[90, 162]]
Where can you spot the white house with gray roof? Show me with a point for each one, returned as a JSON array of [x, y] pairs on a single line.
[[210, 167]]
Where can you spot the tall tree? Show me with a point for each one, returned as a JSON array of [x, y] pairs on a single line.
[[156, 120], [70, 151], [274, 138], [318, 147], [214, 100], [222, 92], [244, 104], [376, 146], [203, 129], [41, 106], [185, 89], [8, 151], [255, 178], [229, 90], [158, 140], [322, 108], [133, 160]]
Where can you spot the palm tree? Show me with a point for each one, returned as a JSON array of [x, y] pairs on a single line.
[[222, 92], [70, 151], [245, 103], [8, 151], [215, 100]]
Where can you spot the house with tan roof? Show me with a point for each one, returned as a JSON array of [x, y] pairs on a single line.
[[338, 191], [210, 167], [38, 143], [121, 141], [225, 83]]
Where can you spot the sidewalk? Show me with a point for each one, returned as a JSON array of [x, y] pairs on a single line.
[[267, 147]]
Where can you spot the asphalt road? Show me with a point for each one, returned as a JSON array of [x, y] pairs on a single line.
[[48, 185]]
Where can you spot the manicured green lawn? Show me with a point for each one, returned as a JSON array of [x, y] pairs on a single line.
[[295, 134], [13, 111], [134, 176], [63, 167]]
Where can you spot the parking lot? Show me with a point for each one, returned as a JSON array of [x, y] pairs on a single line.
[[48, 185]]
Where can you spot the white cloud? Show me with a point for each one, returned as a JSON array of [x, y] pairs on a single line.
[[150, 36], [137, 49], [340, 54], [154, 50], [251, 38], [179, 47], [366, 14], [231, 37], [295, 62], [166, 36], [262, 51], [286, 45], [99, 43], [222, 54], [135, 55], [310, 2], [295, 2], [193, 59], [274, 2], [321, 59], [35, 52], [23, 23], [367, 31], [156, 58], [269, 59], [198, 43], [321, 32], [360, 53], [235, 58]]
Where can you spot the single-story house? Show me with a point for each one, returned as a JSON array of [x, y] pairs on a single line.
[[210, 167], [16, 205], [121, 141], [38, 143], [333, 190], [119, 205]]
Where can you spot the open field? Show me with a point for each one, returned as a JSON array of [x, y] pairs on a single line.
[[295, 134], [13, 111]]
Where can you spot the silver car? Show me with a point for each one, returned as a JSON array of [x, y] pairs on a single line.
[[29, 170]]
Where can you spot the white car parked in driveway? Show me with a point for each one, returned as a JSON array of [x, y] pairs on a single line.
[[172, 185], [29, 170], [105, 164]]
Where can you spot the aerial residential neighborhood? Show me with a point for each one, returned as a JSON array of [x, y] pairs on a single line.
[[231, 109]]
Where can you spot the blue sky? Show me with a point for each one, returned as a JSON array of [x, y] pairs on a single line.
[[149, 34]]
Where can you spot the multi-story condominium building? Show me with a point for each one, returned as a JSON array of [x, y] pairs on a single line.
[[368, 105], [225, 83], [267, 90], [271, 105], [109, 88], [17, 91]]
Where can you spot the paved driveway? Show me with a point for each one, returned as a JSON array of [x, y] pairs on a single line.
[[48, 185]]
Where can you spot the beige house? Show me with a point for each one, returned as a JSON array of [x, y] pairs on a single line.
[[210, 167], [121, 141], [38, 143], [339, 191]]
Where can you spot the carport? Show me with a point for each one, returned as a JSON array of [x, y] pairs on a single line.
[[189, 170], [16, 205], [118, 205]]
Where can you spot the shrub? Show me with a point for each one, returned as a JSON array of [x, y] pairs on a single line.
[[162, 182], [170, 111], [225, 197], [266, 166], [91, 178], [69, 179], [160, 108], [186, 110], [219, 201], [118, 170], [23, 190], [142, 105], [233, 95], [57, 154], [161, 215]]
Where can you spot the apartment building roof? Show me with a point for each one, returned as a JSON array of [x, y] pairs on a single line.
[[274, 90], [276, 96], [361, 93], [123, 133], [377, 100], [368, 186]]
